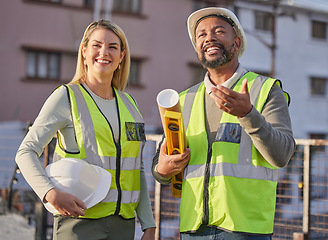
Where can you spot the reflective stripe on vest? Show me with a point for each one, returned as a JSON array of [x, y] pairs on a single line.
[[245, 148], [213, 186], [98, 147]]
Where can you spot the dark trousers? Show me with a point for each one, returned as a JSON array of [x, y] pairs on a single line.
[[206, 233], [107, 228]]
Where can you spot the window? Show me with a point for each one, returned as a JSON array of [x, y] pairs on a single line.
[[319, 30], [316, 149], [197, 73], [130, 6], [52, 1], [41, 64], [263, 21], [317, 136], [88, 3], [134, 78], [318, 86]]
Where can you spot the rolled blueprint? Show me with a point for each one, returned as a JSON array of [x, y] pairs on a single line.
[[168, 99]]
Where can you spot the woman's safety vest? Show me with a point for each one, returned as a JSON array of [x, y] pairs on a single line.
[[229, 184], [97, 146]]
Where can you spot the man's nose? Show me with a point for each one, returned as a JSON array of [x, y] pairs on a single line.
[[210, 37]]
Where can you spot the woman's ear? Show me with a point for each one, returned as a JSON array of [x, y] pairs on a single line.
[[83, 51], [122, 55]]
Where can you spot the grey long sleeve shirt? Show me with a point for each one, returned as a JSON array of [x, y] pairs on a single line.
[[270, 131], [54, 116]]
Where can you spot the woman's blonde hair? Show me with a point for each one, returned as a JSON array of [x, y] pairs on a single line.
[[121, 74]]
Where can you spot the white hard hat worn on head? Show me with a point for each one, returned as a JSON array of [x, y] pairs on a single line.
[[87, 182], [227, 15]]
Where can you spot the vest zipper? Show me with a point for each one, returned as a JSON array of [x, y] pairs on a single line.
[[118, 150], [118, 160], [118, 174], [206, 182]]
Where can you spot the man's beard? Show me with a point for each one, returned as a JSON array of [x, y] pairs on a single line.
[[226, 56]]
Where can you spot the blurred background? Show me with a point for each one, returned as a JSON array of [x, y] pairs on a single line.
[[287, 39]]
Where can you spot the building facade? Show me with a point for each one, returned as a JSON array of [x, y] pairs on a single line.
[[40, 38], [300, 43]]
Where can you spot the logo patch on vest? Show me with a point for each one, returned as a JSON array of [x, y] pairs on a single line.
[[135, 131], [229, 132]]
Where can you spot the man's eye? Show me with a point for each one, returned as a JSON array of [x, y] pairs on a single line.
[[201, 35]]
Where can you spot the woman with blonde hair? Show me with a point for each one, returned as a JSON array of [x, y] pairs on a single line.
[[95, 121]]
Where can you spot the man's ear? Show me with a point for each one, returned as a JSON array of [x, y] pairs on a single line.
[[237, 43]]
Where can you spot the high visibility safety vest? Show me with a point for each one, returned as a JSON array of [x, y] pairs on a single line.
[[97, 146], [229, 184]]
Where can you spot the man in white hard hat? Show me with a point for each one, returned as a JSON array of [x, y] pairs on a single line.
[[239, 134]]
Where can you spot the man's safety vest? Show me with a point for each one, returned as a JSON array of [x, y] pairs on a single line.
[[228, 185], [97, 146]]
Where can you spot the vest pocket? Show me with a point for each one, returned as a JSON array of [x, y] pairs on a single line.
[[228, 132], [135, 131]]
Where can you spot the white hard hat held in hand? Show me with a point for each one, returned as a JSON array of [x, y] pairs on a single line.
[[87, 182]]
